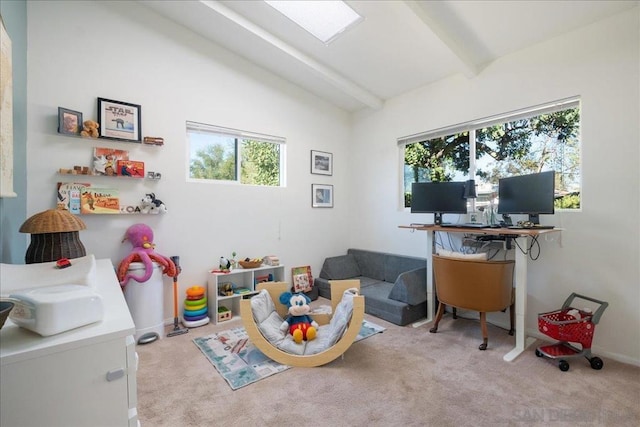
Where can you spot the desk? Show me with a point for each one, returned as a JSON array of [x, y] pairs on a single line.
[[522, 237]]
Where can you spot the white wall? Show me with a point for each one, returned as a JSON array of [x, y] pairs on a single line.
[[597, 253], [79, 51]]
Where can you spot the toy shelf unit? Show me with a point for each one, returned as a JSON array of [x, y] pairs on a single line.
[[226, 290]]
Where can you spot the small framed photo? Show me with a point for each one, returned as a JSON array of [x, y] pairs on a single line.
[[321, 196], [69, 121], [321, 163], [119, 120]]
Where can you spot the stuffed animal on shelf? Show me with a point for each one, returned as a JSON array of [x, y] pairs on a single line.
[[151, 205], [225, 264], [90, 129], [141, 237], [301, 326]]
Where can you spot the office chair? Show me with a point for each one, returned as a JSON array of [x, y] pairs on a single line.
[[483, 286]]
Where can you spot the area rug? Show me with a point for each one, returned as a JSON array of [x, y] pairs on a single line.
[[240, 363]]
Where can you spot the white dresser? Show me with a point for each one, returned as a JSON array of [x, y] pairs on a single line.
[[82, 377]]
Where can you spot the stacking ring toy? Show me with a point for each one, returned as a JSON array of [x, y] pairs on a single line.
[[196, 312], [195, 291], [192, 308], [191, 303]]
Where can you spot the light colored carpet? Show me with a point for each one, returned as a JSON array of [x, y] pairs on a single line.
[[405, 376]]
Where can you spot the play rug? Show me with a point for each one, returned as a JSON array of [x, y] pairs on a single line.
[[240, 363]]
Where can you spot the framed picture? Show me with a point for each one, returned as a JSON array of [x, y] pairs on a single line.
[[119, 120], [321, 196], [69, 121], [321, 163]]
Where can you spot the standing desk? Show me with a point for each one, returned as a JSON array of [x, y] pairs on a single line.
[[522, 237]]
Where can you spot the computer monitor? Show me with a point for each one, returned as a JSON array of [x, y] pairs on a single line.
[[438, 198], [531, 194]]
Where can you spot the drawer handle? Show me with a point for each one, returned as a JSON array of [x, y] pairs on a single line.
[[115, 374]]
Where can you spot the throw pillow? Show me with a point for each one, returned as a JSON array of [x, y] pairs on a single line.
[[482, 256]]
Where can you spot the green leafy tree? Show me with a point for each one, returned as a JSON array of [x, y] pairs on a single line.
[[260, 163], [213, 162]]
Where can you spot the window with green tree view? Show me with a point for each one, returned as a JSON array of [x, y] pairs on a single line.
[[529, 141], [229, 155]]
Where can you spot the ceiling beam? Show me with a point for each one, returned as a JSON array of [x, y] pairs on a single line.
[[469, 67], [337, 80]]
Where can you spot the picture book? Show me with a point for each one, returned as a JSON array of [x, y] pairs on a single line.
[[105, 160], [130, 168], [302, 279], [69, 195], [100, 201]]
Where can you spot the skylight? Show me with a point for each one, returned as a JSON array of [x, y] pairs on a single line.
[[324, 19]]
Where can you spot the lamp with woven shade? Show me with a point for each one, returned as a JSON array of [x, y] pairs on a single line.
[[54, 235]]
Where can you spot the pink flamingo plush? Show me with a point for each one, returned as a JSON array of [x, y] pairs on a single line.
[[141, 237]]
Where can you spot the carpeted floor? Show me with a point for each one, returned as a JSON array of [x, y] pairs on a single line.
[[404, 376]]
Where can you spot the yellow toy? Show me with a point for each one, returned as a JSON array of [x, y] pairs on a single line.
[[90, 129]]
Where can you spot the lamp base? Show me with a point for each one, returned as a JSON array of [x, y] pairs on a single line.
[[47, 247]]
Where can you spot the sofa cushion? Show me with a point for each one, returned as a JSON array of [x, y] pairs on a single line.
[[340, 267], [371, 264], [410, 287]]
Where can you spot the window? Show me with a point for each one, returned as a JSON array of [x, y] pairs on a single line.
[[529, 141], [221, 154]]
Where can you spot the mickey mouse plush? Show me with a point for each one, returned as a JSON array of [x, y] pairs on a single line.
[[301, 326]]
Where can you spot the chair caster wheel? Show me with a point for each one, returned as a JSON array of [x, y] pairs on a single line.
[[564, 365], [433, 330], [539, 353], [483, 346]]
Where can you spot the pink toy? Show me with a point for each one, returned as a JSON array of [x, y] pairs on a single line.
[[141, 237]]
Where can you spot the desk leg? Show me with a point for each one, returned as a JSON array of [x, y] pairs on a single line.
[[521, 300], [430, 294]]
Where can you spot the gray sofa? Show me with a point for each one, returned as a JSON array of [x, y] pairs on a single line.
[[394, 286]]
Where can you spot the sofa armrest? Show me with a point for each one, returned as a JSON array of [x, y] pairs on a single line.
[[340, 267], [410, 287]]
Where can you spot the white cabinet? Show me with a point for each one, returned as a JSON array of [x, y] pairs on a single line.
[[243, 282], [85, 376]]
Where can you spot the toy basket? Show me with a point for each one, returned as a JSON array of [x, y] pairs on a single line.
[[565, 327], [250, 264]]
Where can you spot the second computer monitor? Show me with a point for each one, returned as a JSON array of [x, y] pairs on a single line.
[[531, 194], [438, 198]]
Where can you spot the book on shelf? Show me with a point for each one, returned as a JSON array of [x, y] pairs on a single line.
[[302, 278], [105, 160], [100, 201], [130, 168], [69, 195]]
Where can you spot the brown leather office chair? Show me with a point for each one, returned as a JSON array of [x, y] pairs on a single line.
[[483, 286]]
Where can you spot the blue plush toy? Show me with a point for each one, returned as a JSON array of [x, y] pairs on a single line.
[[301, 326]]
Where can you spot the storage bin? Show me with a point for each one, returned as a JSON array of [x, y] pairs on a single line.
[[146, 303]]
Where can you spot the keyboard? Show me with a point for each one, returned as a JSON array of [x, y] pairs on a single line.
[[466, 225]]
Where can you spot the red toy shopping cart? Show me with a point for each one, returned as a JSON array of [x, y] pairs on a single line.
[[571, 325]]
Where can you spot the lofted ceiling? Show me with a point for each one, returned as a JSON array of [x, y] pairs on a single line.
[[398, 46]]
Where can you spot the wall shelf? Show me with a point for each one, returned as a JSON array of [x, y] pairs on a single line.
[[88, 138]]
